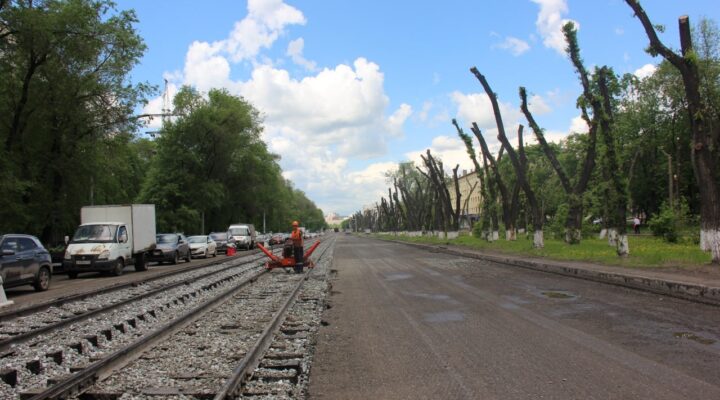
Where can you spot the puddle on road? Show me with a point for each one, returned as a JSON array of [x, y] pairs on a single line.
[[557, 294], [428, 295], [694, 337], [397, 277], [445, 316]]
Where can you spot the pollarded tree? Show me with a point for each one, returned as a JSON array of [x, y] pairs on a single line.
[[704, 123], [518, 166]]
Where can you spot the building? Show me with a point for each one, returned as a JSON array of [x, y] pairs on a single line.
[[334, 220], [470, 196]]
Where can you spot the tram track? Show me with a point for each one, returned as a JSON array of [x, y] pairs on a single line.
[[138, 334]]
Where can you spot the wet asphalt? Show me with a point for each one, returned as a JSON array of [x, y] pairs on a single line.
[[406, 323]]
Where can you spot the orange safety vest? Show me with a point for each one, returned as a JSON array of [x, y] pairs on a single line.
[[297, 237]]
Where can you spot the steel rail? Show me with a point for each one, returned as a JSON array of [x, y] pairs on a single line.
[[101, 369], [33, 308], [7, 343], [252, 358]]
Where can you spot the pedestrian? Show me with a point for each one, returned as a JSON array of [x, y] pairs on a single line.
[[297, 240], [636, 225]]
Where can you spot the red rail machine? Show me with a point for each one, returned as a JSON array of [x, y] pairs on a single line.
[[288, 259]]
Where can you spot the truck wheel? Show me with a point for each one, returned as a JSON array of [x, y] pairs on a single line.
[[215, 253], [188, 257], [42, 281], [140, 263], [176, 258], [119, 267], [72, 275]]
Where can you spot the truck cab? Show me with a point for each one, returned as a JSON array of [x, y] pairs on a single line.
[[104, 247]]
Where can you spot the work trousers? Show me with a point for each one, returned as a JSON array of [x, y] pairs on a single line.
[[299, 258]]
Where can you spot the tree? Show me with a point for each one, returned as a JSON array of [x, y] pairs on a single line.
[[65, 113], [704, 123], [538, 219]]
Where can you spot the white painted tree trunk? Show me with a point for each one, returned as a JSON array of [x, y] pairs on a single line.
[[495, 235], [521, 231], [510, 234], [603, 233], [623, 248], [538, 240], [488, 236], [710, 241], [573, 236], [612, 237]]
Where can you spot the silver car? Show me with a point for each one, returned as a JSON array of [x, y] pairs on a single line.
[[24, 261]]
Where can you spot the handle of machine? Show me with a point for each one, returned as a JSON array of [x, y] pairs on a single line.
[[268, 253]]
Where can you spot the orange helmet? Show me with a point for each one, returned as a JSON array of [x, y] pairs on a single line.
[[295, 223]]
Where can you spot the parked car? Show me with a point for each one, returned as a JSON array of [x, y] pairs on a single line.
[[202, 246], [262, 238], [24, 261], [221, 239], [242, 235], [277, 238], [171, 247]]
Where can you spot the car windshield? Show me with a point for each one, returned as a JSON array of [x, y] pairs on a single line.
[[197, 239], [95, 233], [219, 236], [239, 231], [167, 238]]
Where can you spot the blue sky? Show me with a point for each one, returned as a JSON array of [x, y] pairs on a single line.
[[348, 89]]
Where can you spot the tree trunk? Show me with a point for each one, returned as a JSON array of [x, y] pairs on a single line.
[[705, 152]]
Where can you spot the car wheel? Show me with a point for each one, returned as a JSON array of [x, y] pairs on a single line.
[[119, 267], [215, 253], [42, 282], [175, 259], [206, 254], [72, 275], [140, 263], [188, 258]]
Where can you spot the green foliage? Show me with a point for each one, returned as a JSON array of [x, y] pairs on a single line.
[[666, 224], [477, 230], [65, 118], [212, 169], [557, 226]]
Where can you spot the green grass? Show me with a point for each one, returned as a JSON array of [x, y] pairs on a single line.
[[645, 251]]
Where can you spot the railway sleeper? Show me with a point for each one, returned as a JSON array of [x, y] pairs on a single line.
[[276, 374], [35, 366], [56, 356], [9, 376]]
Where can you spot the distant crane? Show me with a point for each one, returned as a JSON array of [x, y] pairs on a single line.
[[165, 112]]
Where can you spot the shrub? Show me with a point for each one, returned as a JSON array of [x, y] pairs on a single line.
[[557, 225], [477, 230], [665, 224]]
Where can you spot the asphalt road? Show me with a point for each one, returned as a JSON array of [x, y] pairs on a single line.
[[411, 324]]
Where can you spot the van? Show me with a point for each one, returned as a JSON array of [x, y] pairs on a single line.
[[242, 235]]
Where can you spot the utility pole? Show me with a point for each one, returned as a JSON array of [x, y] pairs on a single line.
[[264, 230]]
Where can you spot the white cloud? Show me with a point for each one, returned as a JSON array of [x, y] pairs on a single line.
[[476, 107], [578, 125], [320, 124], [265, 22], [295, 51], [619, 31], [550, 21], [451, 150], [538, 106], [645, 71], [514, 45]]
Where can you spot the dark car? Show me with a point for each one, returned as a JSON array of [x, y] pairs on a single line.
[[170, 247], [24, 261], [221, 238]]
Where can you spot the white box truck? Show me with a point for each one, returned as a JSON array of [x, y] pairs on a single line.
[[111, 237]]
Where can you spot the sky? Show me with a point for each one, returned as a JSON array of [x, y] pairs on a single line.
[[349, 89]]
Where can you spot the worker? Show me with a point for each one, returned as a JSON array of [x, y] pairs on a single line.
[[297, 239]]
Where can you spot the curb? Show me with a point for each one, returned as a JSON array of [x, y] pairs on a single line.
[[672, 288]]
